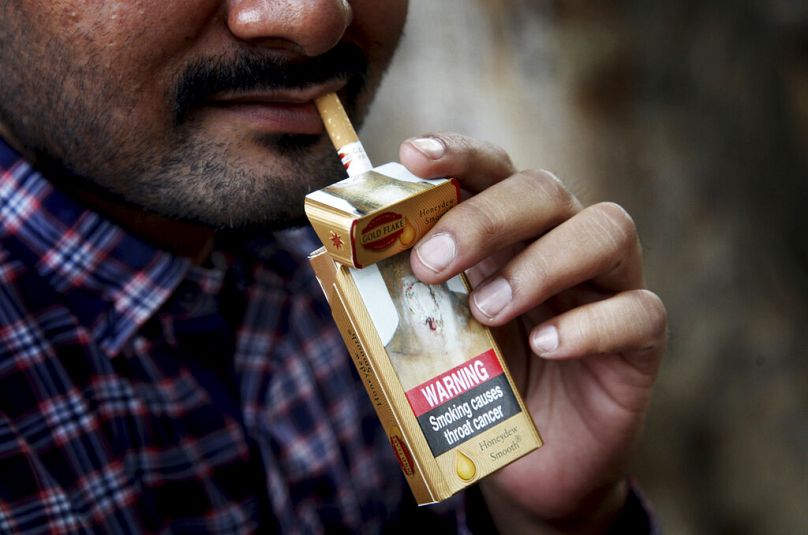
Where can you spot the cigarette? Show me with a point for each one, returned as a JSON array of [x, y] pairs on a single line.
[[342, 134]]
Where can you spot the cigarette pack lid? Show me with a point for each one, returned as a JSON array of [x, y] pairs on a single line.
[[379, 213]]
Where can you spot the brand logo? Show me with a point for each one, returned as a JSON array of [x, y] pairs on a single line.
[[403, 454], [382, 231]]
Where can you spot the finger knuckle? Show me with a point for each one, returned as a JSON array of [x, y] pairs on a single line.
[[482, 216], [548, 186], [597, 328], [499, 154], [617, 222], [655, 313], [464, 144]]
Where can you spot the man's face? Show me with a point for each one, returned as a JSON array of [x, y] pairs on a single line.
[[199, 109]]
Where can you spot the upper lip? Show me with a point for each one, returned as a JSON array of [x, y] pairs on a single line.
[[282, 96]]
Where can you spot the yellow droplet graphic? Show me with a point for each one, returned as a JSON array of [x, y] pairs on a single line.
[[408, 235], [464, 466]]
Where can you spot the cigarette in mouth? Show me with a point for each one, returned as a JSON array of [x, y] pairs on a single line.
[[342, 134]]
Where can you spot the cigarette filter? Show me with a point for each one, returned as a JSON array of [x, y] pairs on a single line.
[[434, 374], [378, 213]]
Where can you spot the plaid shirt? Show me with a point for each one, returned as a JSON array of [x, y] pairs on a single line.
[[142, 394]]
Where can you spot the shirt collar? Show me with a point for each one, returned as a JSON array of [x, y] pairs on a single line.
[[111, 281]]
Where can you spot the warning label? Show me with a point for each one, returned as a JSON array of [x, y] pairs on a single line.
[[463, 402]]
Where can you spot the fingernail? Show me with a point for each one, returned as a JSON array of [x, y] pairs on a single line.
[[545, 340], [429, 147], [437, 252], [493, 297]]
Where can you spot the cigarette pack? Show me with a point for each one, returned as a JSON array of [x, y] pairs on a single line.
[[434, 374], [378, 213]]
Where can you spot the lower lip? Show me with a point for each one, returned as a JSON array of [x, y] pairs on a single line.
[[274, 118]]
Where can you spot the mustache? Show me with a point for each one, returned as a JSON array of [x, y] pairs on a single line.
[[254, 71]]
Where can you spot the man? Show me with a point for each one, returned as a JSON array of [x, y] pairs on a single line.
[[165, 361]]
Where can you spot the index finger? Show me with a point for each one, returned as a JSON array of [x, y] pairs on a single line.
[[476, 164]]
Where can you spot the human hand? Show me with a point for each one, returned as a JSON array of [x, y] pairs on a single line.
[[564, 282]]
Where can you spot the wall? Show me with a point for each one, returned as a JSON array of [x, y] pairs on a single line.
[[692, 115]]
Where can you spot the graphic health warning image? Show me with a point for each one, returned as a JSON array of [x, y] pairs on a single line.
[[443, 358]]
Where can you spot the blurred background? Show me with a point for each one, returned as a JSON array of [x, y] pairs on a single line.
[[694, 116]]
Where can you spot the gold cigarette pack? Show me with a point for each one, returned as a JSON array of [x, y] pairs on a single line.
[[379, 213], [434, 374]]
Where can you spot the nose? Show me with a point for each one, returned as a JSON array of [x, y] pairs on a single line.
[[310, 27]]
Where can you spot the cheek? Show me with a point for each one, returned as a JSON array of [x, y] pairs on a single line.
[[131, 49], [125, 35]]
